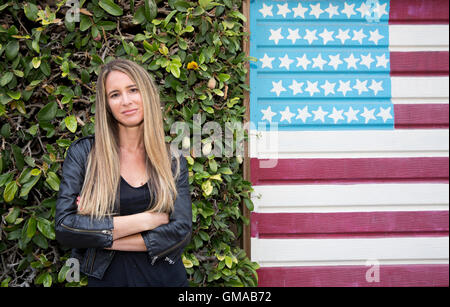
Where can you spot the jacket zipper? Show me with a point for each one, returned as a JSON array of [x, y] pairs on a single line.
[[105, 231], [93, 259], [169, 249]]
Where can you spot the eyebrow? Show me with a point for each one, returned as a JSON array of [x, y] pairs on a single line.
[[113, 91]]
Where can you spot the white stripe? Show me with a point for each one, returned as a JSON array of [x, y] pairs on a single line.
[[312, 252], [426, 89], [349, 144], [418, 38], [350, 198]]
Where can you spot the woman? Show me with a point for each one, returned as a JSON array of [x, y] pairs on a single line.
[[124, 204]]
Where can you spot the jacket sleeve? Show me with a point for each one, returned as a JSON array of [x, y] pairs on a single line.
[[73, 229], [171, 238]]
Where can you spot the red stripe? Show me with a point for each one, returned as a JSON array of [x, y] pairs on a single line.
[[351, 170], [421, 116], [427, 275], [349, 224], [426, 63], [419, 12]]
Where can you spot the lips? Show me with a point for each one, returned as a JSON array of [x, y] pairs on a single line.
[[128, 112]]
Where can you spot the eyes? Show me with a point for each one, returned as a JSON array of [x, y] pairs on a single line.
[[133, 90]]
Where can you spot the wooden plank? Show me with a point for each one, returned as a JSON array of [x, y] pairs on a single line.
[[356, 170], [350, 143], [418, 12], [353, 251], [351, 198], [428, 275], [421, 116], [349, 224], [418, 38], [422, 63]]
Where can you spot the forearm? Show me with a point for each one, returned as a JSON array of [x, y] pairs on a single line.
[[129, 225], [136, 223], [132, 243]]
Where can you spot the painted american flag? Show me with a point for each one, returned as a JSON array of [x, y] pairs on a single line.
[[349, 142]]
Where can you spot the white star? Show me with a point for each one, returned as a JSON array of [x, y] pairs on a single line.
[[267, 61], [310, 36], [335, 61], [343, 35], [315, 10], [358, 36], [303, 114], [361, 86], [319, 62], [319, 114], [376, 86], [283, 10], [351, 61], [351, 115], [286, 62], [380, 10], [336, 115], [326, 36], [344, 87], [375, 36], [268, 114], [275, 35], [293, 35], [312, 88], [286, 115], [332, 10], [385, 114], [366, 60], [277, 87], [266, 10], [296, 87], [364, 10], [303, 61], [382, 61], [368, 115], [328, 87], [299, 11], [348, 10]]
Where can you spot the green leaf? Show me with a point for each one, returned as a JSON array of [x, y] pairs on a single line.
[[62, 274], [111, 8], [225, 171], [31, 11], [40, 241], [36, 61], [29, 185], [228, 261], [48, 112], [151, 10], [12, 49], [31, 229], [12, 215], [71, 123], [46, 228], [249, 204], [18, 156], [53, 181], [6, 78]]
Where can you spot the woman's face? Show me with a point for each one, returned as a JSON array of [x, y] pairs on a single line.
[[124, 99]]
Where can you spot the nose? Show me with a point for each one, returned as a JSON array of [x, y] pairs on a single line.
[[126, 100]]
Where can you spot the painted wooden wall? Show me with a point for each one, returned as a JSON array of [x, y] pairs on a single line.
[[357, 171]]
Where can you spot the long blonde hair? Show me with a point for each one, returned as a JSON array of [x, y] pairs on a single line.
[[102, 177]]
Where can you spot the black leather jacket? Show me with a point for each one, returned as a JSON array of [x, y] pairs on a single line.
[[89, 238]]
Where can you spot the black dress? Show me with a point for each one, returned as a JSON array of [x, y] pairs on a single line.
[[133, 269]]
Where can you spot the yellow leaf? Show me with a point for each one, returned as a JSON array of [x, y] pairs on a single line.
[[216, 177]]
